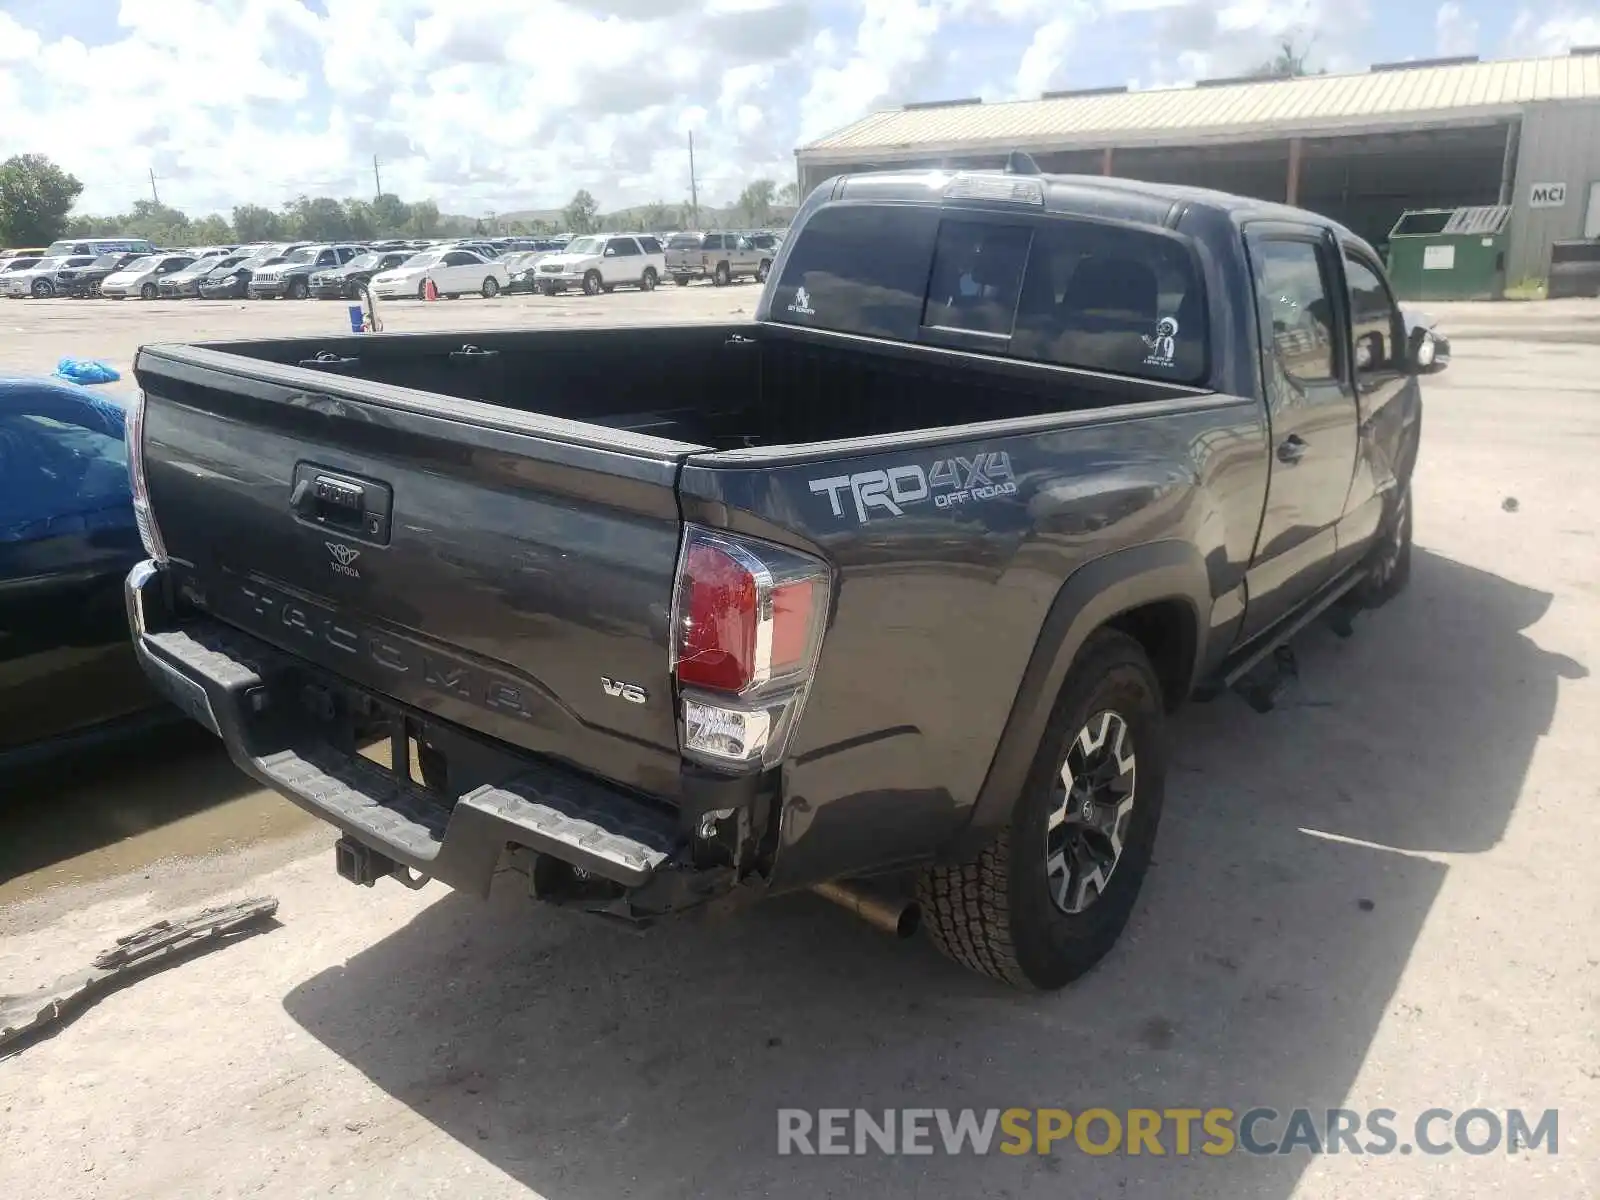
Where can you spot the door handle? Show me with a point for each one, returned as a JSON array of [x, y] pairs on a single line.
[[1293, 448]]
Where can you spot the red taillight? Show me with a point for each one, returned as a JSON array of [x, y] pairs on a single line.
[[748, 628], [717, 632]]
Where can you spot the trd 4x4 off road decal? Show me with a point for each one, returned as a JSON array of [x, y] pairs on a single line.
[[948, 482]]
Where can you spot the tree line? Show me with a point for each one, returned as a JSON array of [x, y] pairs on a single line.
[[37, 196]]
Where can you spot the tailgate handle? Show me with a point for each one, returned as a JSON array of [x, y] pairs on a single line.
[[360, 508]]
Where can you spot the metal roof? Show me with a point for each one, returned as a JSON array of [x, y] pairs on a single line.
[[1314, 104]]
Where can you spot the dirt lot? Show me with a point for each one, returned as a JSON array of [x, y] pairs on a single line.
[[1381, 895]]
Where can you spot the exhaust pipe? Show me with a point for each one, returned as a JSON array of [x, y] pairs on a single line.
[[896, 917]]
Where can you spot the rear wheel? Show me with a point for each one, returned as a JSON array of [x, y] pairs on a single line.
[[591, 283], [1048, 897], [491, 288], [763, 270], [722, 275], [147, 292], [647, 281], [352, 290]]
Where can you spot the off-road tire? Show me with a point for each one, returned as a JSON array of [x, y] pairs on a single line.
[[995, 913]]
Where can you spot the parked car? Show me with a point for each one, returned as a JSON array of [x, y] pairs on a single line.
[[602, 262], [14, 266], [184, 283], [346, 282], [232, 283], [454, 273], [86, 281], [291, 279], [719, 257], [659, 658], [67, 541], [39, 280], [21, 252], [142, 277]]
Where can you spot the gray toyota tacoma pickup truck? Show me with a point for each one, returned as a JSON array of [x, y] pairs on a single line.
[[903, 586]]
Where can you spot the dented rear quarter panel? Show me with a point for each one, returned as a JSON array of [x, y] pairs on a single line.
[[938, 604]]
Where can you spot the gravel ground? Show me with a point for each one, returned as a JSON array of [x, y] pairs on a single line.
[[1380, 895]]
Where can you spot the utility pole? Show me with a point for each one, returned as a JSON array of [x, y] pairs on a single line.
[[377, 180], [153, 196], [694, 192]]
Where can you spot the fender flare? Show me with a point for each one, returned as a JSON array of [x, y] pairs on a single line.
[[1092, 595]]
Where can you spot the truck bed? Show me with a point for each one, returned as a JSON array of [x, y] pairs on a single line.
[[714, 387]]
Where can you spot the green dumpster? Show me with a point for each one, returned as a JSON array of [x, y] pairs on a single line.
[[1450, 253]]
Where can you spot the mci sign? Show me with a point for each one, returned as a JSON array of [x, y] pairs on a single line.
[[1547, 195]]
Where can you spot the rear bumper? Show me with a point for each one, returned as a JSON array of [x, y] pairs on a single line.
[[258, 700]]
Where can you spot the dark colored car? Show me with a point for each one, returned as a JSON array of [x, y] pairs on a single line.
[[85, 281], [67, 540], [291, 279], [908, 582], [187, 282], [345, 282], [1574, 269], [234, 283]]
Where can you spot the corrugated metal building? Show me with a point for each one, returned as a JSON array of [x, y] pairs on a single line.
[[1360, 148]]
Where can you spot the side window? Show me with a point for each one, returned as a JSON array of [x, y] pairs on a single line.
[[713, 242], [650, 245], [977, 277], [327, 259], [1296, 318], [626, 247], [1376, 328], [457, 258], [1107, 298], [346, 253], [859, 268]]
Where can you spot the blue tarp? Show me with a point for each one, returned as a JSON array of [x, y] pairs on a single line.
[[63, 461]]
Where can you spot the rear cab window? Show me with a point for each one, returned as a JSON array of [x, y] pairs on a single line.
[[1063, 290]]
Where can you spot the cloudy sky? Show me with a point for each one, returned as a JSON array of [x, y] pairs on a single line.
[[495, 105]]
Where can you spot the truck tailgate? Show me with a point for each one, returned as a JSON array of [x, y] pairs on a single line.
[[505, 571]]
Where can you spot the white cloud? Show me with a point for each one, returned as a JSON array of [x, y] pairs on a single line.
[[1454, 31], [1536, 33], [1044, 56]]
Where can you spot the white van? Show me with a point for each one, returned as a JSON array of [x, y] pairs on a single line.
[[99, 246]]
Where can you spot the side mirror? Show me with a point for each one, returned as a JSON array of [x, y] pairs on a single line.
[[1428, 351]]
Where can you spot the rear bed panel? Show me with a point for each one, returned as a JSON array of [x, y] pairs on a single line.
[[518, 573]]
